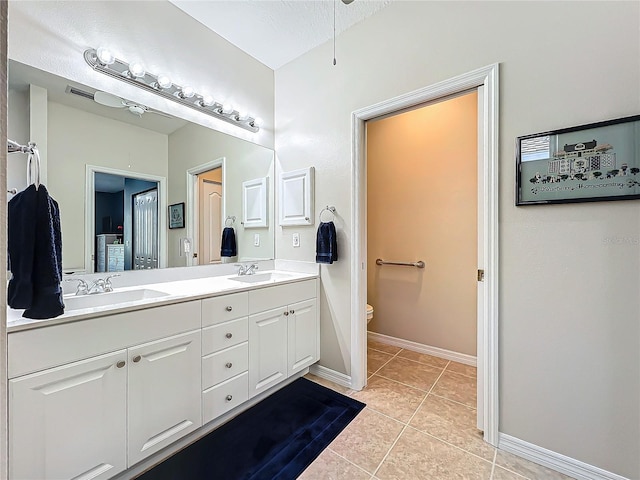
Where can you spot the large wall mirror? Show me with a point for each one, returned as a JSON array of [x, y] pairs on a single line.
[[119, 172]]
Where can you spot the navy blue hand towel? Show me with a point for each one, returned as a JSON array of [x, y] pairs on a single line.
[[35, 254], [326, 243], [228, 246]]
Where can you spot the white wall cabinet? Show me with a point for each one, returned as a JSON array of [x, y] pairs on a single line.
[[164, 393], [296, 197], [255, 202], [70, 421]]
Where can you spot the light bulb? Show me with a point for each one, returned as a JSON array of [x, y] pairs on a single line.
[[227, 108], [258, 122], [164, 81], [187, 92], [105, 56], [207, 101], [242, 114], [136, 69]]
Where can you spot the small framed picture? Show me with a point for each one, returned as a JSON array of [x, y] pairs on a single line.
[[176, 215], [589, 163]]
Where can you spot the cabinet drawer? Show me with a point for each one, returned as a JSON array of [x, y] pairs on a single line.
[[224, 308], [225, 396], [225, 364], [224, 335], [269, 298]]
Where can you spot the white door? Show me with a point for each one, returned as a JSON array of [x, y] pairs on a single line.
[[302, 335], [267, 349], [70, 421], [210, 221], [480, 290], [164, 393]]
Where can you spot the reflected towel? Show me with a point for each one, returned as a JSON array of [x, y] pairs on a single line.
[[228, 247], [35, 254], [326, 243]]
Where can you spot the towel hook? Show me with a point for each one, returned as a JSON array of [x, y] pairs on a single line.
[[232, 218], [331, 210]]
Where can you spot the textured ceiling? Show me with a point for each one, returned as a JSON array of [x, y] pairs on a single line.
[[277, 31]]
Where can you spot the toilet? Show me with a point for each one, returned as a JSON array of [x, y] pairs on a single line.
[[369, 313]]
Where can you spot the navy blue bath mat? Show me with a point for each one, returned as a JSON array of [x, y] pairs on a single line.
[[275, 439]]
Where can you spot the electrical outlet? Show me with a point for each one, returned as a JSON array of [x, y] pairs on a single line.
[[256, 240], [296, 239]]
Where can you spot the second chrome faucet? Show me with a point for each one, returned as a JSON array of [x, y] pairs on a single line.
[[247, 269]]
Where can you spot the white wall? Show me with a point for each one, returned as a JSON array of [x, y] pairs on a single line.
[[570, 274], [78, 138], [52, 36], [18, 131]]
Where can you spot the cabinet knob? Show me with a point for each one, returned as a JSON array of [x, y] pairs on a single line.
[[228, 365], [229, 398], [229, 335], [292, 312], [137, 358], [286, 314], [229, 308], [120, 364]]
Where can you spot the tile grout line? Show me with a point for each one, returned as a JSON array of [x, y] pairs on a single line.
[[381, 366], [493, 466], [375, 472], [349, 461], [454, 401]]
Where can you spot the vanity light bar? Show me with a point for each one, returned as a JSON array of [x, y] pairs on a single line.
[[162, 85]]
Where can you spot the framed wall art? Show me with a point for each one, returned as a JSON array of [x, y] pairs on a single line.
[[176, 215], [594, 162]]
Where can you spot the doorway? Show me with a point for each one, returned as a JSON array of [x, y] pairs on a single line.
[[486, 81]]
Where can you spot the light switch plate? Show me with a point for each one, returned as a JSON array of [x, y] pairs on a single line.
[[296, 239], [256, 239]]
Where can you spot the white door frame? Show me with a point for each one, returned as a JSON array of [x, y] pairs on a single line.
[[488, 354], [90, 212], [192, 204]]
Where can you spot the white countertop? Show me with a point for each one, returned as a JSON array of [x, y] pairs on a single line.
[[175, 292]]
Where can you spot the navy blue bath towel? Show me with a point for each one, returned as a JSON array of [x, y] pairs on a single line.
[[228, 247], [326, 243], [35, 254]]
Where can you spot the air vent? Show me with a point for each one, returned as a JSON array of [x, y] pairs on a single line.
[[77, 91]]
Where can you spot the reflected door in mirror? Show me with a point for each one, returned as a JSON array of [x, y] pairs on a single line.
[[145, 230], [210, 220]]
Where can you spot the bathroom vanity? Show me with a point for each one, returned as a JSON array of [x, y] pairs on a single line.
[[98, 390]]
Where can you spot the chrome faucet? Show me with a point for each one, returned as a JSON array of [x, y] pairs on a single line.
[[247, 269], [101, 285]]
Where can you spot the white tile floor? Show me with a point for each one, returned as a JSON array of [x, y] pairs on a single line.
[[419, 423]]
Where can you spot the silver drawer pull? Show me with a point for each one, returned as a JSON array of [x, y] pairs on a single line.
[[229, 308], [229, 335], [286, 314], [120, 364], [137, 358], [229, 398], [292, 312], [228, 365]]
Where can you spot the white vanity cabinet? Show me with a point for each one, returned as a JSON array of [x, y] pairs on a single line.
[[163, 393], [76, 419], [70, 421], [283, 333]]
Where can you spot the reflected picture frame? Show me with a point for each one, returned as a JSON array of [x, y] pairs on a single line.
[[176, 215], [587, 163]]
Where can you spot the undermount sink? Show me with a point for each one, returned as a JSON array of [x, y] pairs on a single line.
[[77, 302], [262, 277]]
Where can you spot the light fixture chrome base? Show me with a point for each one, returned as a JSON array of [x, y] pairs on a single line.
[[120, 70]]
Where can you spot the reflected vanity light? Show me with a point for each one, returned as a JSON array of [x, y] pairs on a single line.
[[103, 61]]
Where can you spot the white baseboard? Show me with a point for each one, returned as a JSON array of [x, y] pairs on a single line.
[[556, 461], [331, 375], [421, 348]]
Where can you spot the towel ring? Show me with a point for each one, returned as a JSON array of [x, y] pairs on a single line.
[[331, 210], [233, 220]]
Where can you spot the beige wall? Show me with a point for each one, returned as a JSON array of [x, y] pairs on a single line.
[[78, 139], [422, 205], [569, 335]]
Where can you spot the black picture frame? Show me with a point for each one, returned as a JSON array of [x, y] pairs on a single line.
[[176, 215], [589, 163]]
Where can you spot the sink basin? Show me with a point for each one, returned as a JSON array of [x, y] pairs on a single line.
[[262, 277], [78, 302]]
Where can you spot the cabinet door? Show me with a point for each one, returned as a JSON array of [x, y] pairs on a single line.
[[267, 349], [164, 393], [70, 421], [302, 335]]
